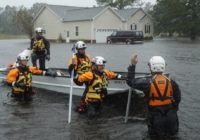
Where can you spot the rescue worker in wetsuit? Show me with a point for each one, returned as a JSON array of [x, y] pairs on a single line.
[[81, 60], [41, 49], [81, 65], [163, 97], [96, 82], [20, 78]]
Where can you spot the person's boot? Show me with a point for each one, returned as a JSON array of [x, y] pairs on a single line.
[[82, 107]]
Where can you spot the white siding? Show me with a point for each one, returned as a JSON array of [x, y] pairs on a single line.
[[84, 28], [107, 20], [54, 26], [144, 22], [50, 22], [136, 18]]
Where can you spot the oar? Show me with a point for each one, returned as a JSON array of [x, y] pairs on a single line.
[[128, 104], [71, 88]]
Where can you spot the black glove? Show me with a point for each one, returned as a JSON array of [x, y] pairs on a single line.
[[104, 92], [71, 67], [75, 75], [50, 73], [19, 85], [47, 57]]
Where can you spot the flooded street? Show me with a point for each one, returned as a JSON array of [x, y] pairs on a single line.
[[45, 118]]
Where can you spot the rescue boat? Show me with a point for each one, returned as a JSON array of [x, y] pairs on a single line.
[[61, 83]]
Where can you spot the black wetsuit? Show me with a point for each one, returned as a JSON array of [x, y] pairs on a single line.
[[40, 54], [162, 120]]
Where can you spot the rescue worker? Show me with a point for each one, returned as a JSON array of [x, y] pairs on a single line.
[[41, 49], [163, 96], [81, 65], [96, 82], [81, 60], [20, 78]]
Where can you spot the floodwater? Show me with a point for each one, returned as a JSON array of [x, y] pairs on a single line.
[[45, 118]]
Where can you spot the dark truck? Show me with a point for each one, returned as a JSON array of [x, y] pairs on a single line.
[[128, 37]]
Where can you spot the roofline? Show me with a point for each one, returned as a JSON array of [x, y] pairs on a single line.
[[77, 20], [60, 18], [146, 14], [136, 12], [106, 8], [100, 13], [42, 9]]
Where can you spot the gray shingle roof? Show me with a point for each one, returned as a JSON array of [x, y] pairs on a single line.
[[127, 13], [82, 14], [60, 10], [70, 13]]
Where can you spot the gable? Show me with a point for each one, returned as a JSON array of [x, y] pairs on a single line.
[[43, 10], [106, 13]]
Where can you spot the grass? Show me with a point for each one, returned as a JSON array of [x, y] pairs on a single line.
[[9, 36]]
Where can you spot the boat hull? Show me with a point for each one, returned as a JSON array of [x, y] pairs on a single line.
[[62, 83]]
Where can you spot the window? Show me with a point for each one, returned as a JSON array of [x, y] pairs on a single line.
[[137, 33], [114, 34], [147, 28], [67, 33], [133, 26], [76, 31], [120, 34]]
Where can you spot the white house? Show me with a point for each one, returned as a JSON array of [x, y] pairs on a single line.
[[93, 24]]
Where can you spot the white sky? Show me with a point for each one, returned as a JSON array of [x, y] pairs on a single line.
[[29, 3]]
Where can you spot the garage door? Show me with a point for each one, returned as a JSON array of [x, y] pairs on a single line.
[[101, 34]]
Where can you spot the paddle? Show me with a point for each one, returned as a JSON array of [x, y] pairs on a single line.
[[128, 104], [71, 87]]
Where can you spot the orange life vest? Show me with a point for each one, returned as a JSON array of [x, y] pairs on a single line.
[[83, 64], [161, 92], [96, 87], [25, 78]]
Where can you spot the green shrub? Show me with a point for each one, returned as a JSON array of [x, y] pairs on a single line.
[[148, 38], [60, 38]]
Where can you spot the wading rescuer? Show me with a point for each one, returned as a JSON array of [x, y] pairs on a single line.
[[96, 82], [163, 97], [20, 78], [41, 48], [81, 65]]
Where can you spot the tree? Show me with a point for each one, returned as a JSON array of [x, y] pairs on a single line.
[[193, 10], [119, 4], [148, 7], [181, 16], [7, 22], [24, 20], [36, 8], [18, 20]]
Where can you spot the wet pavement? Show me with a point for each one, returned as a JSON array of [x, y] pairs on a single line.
[[45, 118]]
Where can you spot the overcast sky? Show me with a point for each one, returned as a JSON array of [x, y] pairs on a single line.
[[29, 3]]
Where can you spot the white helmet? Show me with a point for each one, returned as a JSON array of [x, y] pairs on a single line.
[[80, 45], [98, 60], [22, 56], [157, 64], [39, 30]]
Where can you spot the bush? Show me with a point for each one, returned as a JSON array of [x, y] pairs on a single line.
[[60, 38], [148, 38]]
